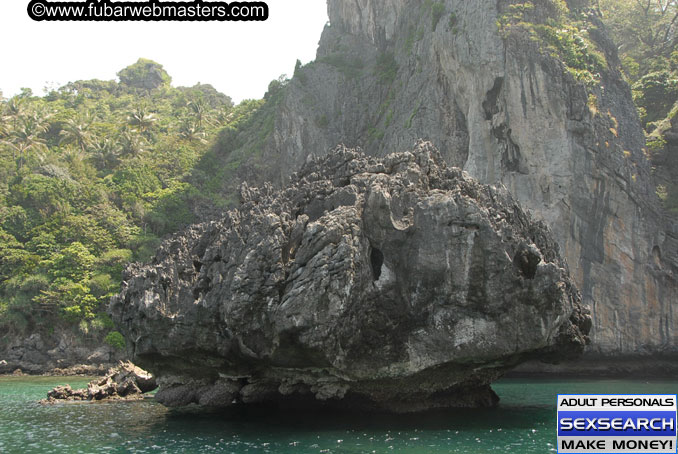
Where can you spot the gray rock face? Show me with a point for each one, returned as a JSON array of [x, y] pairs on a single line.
[[60, 354], [389, 73], [396, 283]]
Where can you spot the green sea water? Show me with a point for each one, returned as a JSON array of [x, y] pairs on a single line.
[[524, 422]]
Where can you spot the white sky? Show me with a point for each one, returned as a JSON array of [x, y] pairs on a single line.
[[237, 58]]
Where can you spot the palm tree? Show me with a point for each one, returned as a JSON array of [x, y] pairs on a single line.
[[14, 110], [76, 131], [130, 142], [105, 153], [26, 137], [141, 119], [74, 155], [200, 110], [4, 118], [189, 131], [4, 126], [224, 115]]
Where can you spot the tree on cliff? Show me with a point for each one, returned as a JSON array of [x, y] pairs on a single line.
[[646, 34]]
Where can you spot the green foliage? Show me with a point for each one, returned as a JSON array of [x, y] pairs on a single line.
[[593, 104], [656, 93], [656, 144], [145, 74], [437, 12], [375, 134], [13, 256], [386, 68], [408, 123], [242, 140], [103, 286], [322, 121], [412, 36], [91, 176], [74, 262], [574, 49], [559, 32], [453, 23], [350, 66], [113, 261], [670, 198], [115, 340], [169, 208], [646, 32]]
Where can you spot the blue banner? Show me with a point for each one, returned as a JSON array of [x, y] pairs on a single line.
[[616, 423]]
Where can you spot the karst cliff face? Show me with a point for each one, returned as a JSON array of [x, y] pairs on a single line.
[[390, 72], [395, 283]]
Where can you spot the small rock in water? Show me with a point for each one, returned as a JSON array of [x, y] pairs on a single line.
[[124, 382]]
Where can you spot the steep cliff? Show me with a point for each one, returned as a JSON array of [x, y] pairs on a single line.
[[525, 94], [397, 284]]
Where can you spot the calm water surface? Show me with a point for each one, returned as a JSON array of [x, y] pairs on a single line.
[[523, 423]]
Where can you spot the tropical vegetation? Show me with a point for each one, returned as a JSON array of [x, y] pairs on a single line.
[[92, 176], [646, 35]]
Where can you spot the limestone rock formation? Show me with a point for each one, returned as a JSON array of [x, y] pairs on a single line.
[[395, 283], [123, 382], [503, 108]]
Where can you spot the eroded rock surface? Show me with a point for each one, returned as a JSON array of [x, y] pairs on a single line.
[[389, 72], [124, 382], [395, 283]]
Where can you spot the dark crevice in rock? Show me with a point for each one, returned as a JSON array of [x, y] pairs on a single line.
[[657, 253], [526, 261], [511, 158], [201, 287], [490, 104], [281, 291], [376, 260]]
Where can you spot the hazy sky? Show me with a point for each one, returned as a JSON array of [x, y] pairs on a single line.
[[238, 58]]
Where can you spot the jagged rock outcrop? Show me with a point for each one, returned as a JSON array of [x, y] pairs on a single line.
[[123, 382], [397, 283], [501, 107]]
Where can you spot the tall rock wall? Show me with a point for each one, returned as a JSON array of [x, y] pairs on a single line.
[[390, 72]]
